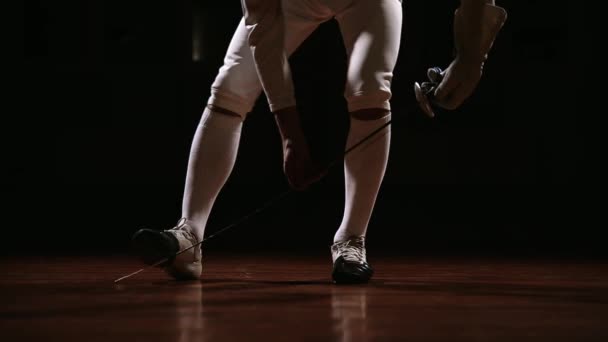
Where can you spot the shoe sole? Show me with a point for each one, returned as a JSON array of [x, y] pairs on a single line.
[[194, 274], [347, 279]]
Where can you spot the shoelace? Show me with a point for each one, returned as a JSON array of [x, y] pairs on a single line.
[[352, 250], [181, 224], [183, 229]]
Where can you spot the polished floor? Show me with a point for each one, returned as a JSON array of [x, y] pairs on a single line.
[[244, 298]]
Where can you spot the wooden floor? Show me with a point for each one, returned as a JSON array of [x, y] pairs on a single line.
[[291, 299]]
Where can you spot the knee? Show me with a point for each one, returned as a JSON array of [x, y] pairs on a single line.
[[369, 103], [225, 111], [230, 103], [370, 114]]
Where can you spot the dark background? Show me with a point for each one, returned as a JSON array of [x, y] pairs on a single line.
[[116, 89]]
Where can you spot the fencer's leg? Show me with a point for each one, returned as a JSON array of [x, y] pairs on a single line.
[[216, 141], [372, 34], [364, 170], [212, 157], [215, 144], [237, 86], [265, 23]]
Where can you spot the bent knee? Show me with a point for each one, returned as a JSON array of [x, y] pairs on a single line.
[[229, 103], [224, 111], [369, 102], [370, 114]]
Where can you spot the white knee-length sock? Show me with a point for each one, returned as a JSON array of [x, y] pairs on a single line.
[[212, 157], [364, 169]]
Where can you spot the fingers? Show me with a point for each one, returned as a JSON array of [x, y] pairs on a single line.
[[423, 101], [458, 84], [446, 87], [450, 100], [435, 74], [456, 97], [426, 89]]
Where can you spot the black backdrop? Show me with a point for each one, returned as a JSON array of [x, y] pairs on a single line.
[[121, 95]]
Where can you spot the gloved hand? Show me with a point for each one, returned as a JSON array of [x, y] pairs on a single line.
[[459, 81], [299, 167], [450, 88], [425, 91]]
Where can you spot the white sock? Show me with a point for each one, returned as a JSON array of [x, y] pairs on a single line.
[[364, 169], [212, 158]]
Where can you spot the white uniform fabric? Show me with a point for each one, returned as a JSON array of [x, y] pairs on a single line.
[[371, 31], [212, 157], [265, 25], [363, 174]]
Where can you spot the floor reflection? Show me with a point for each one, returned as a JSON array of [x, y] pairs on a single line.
[[190, 321], [349, 312]]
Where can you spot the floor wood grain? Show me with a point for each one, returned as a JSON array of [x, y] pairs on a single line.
[[251, 298]]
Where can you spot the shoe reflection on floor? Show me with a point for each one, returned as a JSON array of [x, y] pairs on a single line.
[[349, 312]]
